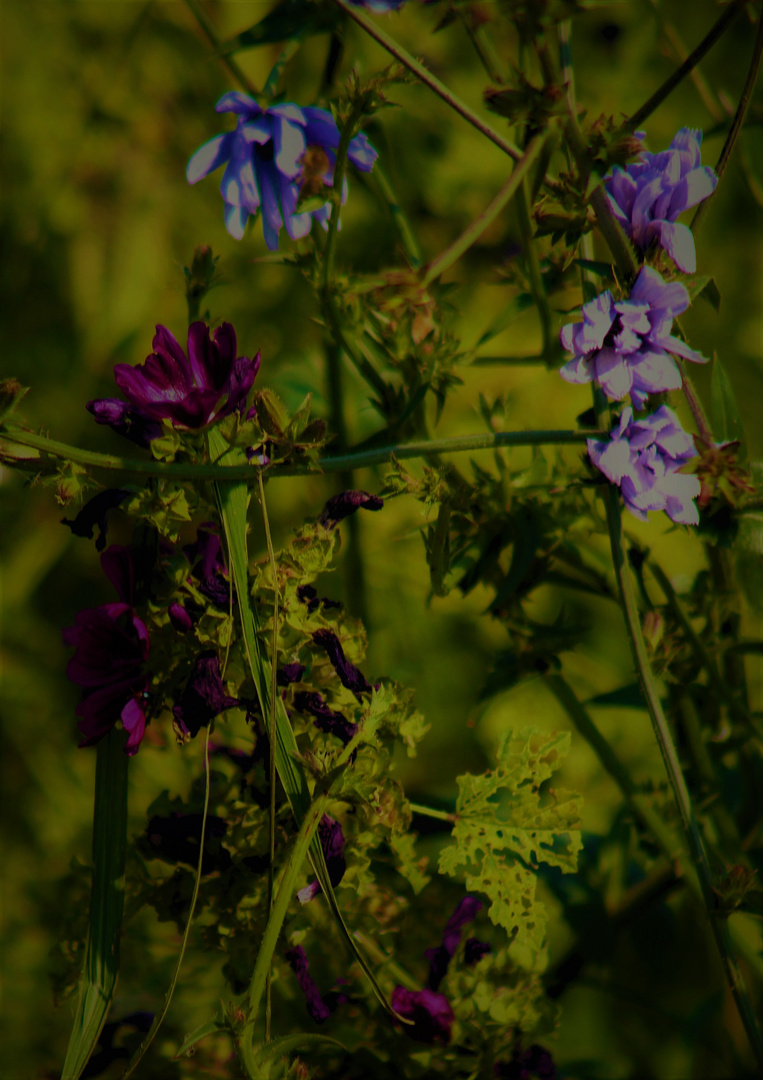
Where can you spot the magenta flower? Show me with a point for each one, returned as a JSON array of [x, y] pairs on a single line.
[[203, 698], [112, 646], [319, 1006], [350, 676], [191, 392], [643, 458], [431, 1014], [648, 196], [627, 347], [440, 956], [332, 841], [273, 158], [345, 503], [324, 717]]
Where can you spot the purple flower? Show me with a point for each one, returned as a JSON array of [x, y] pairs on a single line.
[[111, 645], [643, 458], [474, 950], [93, 515], [648, 196], [625, 347], [350, 676], [203, 698], [208, 566], [534, 1063], [320, 1008], [333, 723], [440, 956], [191, 392], [332, 841], [273, 158], [179, 617], [431, 1014], [307, 594], [381, 7], [346, 503], [290, 673]]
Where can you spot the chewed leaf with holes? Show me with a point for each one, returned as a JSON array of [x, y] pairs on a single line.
[[509, 821]]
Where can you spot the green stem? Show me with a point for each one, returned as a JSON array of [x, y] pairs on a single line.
[[430, 80], [340, 167], [703, 89], [139, 1054], [428, 811], [696, 847], [334, 463], [691, 61], [513, 186], [388, 196], [535, 277], [736, 124], [210, 33]]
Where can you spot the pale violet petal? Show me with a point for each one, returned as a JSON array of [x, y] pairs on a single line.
[[208, 157]]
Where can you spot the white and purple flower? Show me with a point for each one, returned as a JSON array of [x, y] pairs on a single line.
[[626, 347], [643, 457], [272, 158], [647, 196]]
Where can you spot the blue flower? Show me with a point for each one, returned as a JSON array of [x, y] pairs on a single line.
[[643, 457], [273, 158], [626, 347], [648, 196], [381, 7]]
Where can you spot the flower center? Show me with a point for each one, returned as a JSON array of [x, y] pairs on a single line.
[[265, 151], [315, 165], [614, 330]]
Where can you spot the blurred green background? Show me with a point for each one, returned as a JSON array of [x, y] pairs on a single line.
[[103, 103]]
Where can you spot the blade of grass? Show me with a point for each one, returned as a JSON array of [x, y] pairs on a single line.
[[99, 977], [232, 502]]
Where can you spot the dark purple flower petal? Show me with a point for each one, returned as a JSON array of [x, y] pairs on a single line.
[[431, 1014], [326, 720], [332, 841], [290, 673], [176, 839], [474, 950], [93, 515], [320, 1010], [179, 617], [125, 420], [118, 568], [345, 503], [439, 957], [350, 676], [308, 595], [204, 696], [535, 1063]]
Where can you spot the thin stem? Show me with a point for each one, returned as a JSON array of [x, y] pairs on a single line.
[[340, 167], [512, 187], [159, 1018], [718, 923], [387, 194], [736, 124], [691, 61], [211, 35], [334, 463], [701, 84], [271, 734], [428, 811], [430, 80], [534, 274], [695, 405]]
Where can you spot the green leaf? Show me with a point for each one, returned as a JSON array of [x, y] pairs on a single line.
[[289, 1044], [507, 823], [601, 269], [705, 287], [99, 976], [211, 1027], [289, 19], [727, 424]]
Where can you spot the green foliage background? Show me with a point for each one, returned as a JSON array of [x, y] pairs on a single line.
[[103, 105]]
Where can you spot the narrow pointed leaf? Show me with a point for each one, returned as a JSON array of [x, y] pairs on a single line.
[[727, 423], [208, 1028], [99, 976]]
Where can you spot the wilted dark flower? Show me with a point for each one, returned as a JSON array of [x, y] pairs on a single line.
[[474, 950], [208, 567], [274, 157], [350, 676], [647, 196], [290, 673], [93, 515], [534, 1063], [112, 647], [332, 723], [440, 956], [309, 596], [626, 347], [643, 457], [203, 698], [431, 1014], [320, 1008], [179, 617], [191, 392], [345, 503], [332, 841], [176, 839]]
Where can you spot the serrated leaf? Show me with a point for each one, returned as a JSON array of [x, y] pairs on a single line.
[[506, 825], [289, 19], [727, 424], [406, 862]]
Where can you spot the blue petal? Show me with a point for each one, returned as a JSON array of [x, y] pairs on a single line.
[[271, 210], [289, 147], [235, 221], [236, 102], [209, 157]]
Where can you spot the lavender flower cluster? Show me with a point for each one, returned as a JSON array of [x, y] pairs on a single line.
[[627, 348]]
